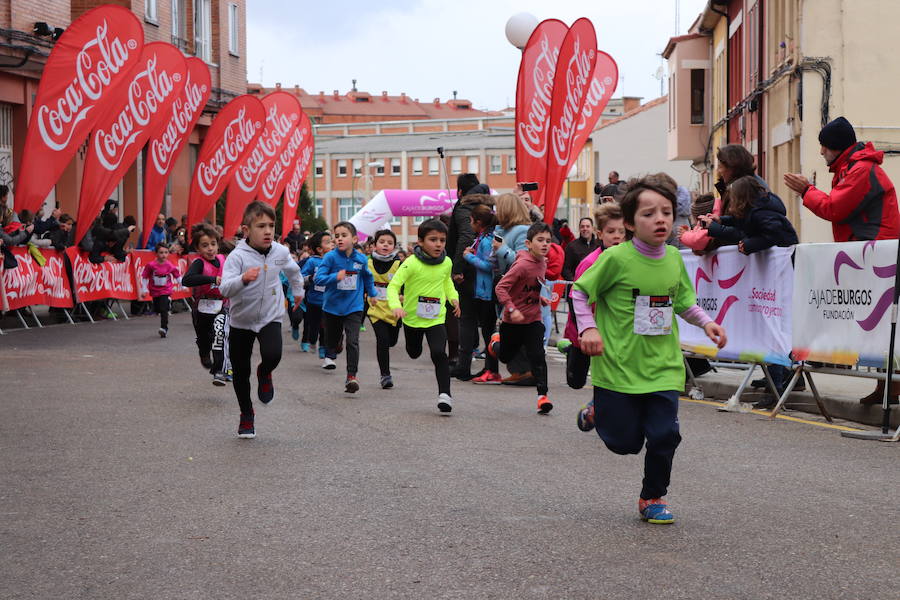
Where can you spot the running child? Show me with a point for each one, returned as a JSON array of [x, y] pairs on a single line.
[[519, 296], [210, 308], [250, 280], [160, 276], [383, 264], [637, 368], [313, 332], [345, 275], [480, 255], [427, 286], [611, 228]]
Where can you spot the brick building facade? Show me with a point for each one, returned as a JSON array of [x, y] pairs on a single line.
[[214, 30]]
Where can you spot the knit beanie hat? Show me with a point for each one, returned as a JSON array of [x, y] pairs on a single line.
[[838, 135], [702, 205]]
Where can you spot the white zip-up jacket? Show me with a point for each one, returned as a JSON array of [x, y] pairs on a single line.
[[258, 303]]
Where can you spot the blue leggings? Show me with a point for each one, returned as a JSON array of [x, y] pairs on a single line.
[[625, 421]]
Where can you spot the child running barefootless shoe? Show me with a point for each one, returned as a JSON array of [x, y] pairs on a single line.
[[522, 326], [345, 274], [383, 264], [250, 279], [427, 285], [636, 367]]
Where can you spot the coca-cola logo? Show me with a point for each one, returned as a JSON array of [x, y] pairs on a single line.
[[267, 146], [595, 94], [184, 112], [296, 181], [235, 139], [532, 129], [98, 61], [30, 279], [577, 75], [146, 92], [279, 169], [102, 278], [22, 281]]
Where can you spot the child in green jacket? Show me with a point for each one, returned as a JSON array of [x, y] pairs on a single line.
[[426, 283]]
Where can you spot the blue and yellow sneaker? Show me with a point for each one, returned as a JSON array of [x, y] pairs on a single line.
[[563, 346], [655, 511]]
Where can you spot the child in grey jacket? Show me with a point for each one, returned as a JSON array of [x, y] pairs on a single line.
[[250, 279]]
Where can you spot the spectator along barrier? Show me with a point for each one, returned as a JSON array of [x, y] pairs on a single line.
[[67, 280]]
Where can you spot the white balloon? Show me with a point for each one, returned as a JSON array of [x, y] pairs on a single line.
[[519, 28]]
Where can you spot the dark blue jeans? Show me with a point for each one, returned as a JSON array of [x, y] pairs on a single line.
[[625, 421]]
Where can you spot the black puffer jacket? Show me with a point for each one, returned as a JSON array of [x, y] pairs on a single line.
[[764, 226]]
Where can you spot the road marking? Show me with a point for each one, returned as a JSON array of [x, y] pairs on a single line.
[[767, 413]]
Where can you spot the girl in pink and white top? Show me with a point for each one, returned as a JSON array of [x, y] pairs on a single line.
[[160, 277]]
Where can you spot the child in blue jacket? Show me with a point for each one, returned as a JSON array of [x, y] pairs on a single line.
[[319, 245], [480, 255], [345, 274]]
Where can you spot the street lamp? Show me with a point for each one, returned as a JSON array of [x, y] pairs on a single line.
[[519, 28], [374, 163]]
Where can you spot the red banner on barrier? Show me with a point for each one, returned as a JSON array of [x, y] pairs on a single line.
[[140, 258], [88, 66], [142, 107], [602, 86], [166, 145], [30, 284], [230, 137], [575, 67], [294, 184], [282, 117], [98, 282], [534, 95]]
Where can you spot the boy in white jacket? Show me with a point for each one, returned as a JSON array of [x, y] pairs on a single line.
[[250, 279]]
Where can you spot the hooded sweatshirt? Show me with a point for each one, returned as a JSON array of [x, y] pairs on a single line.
[[345, 296], [521, 287], [862, 204], [260, 302], [316, 293]]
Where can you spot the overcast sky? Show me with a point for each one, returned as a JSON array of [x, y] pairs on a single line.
[[428, 48]]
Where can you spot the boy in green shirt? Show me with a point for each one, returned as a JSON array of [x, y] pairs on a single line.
[[637, 368], [425, 279]]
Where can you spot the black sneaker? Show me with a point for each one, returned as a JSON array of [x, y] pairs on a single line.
[[759, 383], [163, 332], [245, 429], [767, 403], [206, 360], [387, 382], [265, 391]]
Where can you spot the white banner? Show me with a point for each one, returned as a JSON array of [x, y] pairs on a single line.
[[750, 296], [842, 300]]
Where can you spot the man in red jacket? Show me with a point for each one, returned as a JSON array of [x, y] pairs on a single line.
[[862, 204]]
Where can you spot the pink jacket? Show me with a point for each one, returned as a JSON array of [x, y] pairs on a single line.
[[697, 238], [155, 272], [571, 331], [521, 287]]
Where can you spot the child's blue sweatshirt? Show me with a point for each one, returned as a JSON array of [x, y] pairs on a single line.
[[346, 296], [315, 295]]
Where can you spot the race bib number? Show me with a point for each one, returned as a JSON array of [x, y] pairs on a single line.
[[319, 288], [381, 288], [160, 280], [428, 308], [652, 315], [348, 282], [209, 306]]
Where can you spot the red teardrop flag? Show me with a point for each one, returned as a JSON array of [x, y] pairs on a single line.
[[603, 84], [534, 95], [282, 116], [230, 137], [575, 67], [88, 65], [169, 141], [141, 108], [295, 172]]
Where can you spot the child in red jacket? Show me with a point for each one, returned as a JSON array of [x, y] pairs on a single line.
[[519, 295]]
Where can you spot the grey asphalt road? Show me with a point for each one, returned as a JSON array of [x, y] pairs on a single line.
[[122, 477]]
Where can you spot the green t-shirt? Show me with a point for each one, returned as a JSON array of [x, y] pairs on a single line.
[[427, 289], [633, 363]]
